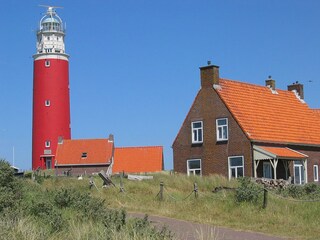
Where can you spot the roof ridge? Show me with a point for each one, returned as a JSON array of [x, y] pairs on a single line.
[[157, 146], [252, 84]]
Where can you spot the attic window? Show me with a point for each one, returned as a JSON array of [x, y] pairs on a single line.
[[84, 155]]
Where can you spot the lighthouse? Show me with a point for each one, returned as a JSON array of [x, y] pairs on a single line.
[[51, 100]]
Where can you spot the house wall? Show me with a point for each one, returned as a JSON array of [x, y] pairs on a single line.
[[80, 170], [207, 107], [313, 159]]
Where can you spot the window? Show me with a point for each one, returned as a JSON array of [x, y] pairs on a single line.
[[236, 168], [267, 170], [47, 103], [84, 155], [316, 173], [47, 144], [194, 167], [222, 129], [299, 173], [197, 133], [47, 63]]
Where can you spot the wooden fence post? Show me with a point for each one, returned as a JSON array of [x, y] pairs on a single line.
[[265, 197], [121, 183], [195, 189], [161, 191]]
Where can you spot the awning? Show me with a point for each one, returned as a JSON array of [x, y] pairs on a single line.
[[263, 153]]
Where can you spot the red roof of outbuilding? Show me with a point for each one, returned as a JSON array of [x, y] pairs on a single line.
[[98, 151], [138, 159], [267, 116]]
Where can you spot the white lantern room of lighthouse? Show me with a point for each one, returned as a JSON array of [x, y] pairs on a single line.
[[50, 36]]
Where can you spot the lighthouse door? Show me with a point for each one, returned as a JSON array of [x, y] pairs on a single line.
[[48, 161]]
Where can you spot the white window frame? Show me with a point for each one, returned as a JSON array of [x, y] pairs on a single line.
[[47, 144], [235, 167], [222, 129], [84, 155], [196, 132], [316, 173], [192, 171], [47, 103], [300, 167], [47, 63]]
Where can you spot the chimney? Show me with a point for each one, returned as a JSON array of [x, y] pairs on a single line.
[[111, 138], [60, 140], [209, 75], [298, 87], [271, 83]]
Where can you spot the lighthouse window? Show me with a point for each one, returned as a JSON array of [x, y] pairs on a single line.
[[47, 63], [47, 103], [47, 144]]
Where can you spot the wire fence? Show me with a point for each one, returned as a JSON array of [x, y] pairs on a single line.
[[165, 194]]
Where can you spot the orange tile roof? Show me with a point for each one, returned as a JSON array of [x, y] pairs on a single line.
[[268, 117], [138, 159], [99, 151], [282, 152], [316, 112]]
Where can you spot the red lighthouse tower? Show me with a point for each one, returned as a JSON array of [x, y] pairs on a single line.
[[51, 101]]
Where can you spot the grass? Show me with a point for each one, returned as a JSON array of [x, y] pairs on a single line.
[[297, 220]]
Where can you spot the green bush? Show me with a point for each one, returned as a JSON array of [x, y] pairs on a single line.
[[9, 187], [48, 215], [64, 197], [247, 191]]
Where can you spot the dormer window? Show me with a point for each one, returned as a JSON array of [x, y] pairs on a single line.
[[84, 155], [222, 129]]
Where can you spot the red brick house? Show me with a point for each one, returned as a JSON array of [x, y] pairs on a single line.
[[138, 159], [240, 129]]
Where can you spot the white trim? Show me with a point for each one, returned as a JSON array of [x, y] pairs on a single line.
[[46, 56], [47, 103], [193, 140], [229, 167], [316, 173], [222, 130], [193, 169]]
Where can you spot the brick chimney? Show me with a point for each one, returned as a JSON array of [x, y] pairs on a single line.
[[111, 138], [298, 87], [209, 75], [271, 83]]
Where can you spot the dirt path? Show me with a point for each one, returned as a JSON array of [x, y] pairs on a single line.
[[193, 231]]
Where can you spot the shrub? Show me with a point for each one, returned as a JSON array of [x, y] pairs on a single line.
[[48, 215], [9, 187], [247, 191], [64, 197], [114, 219]]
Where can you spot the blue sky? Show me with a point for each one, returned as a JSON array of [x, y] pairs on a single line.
[[134, 65]]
